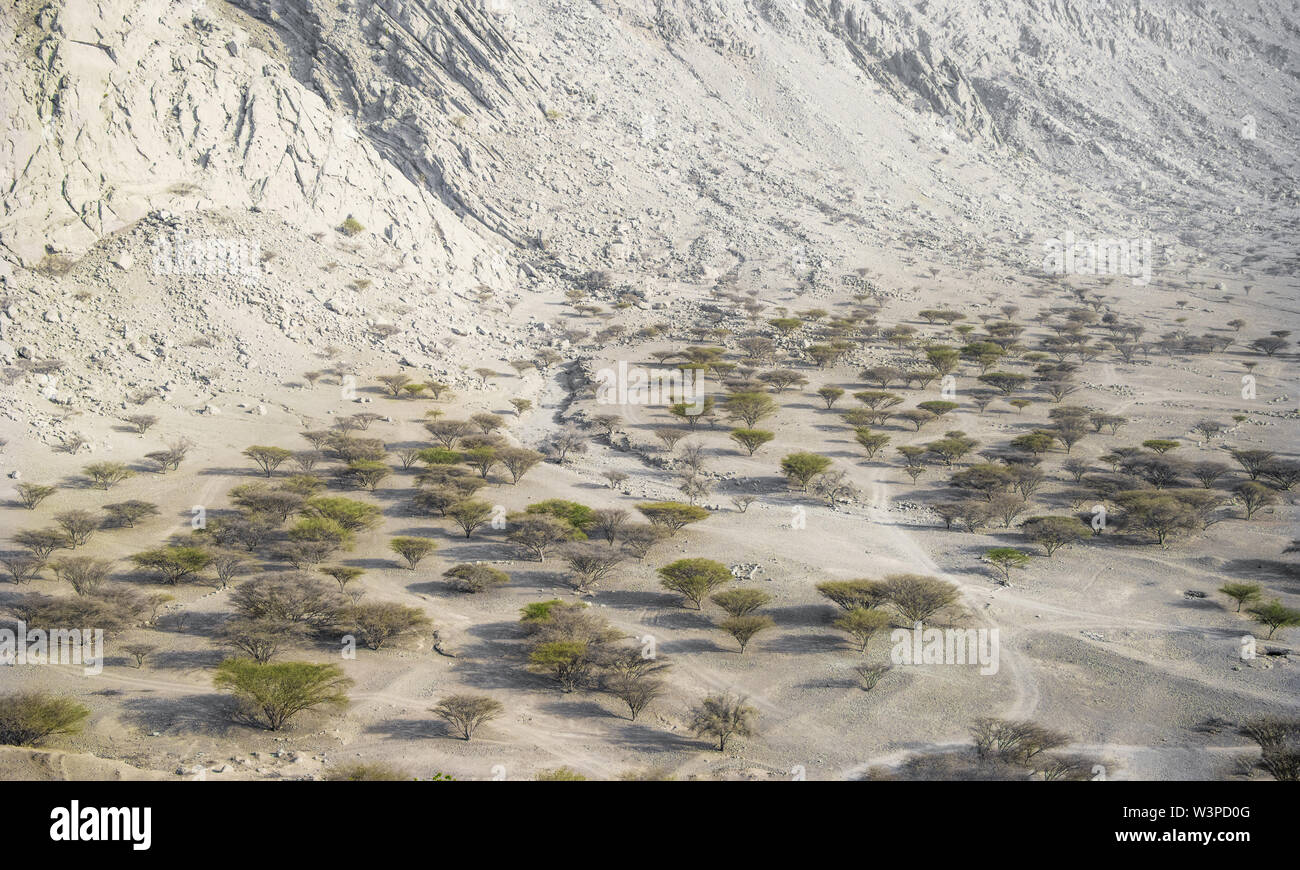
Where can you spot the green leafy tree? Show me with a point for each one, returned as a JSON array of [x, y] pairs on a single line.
[[1004, 382], [577, 515], [830, 395], [938, 407], [413, 550], [850, 595], [367, 473], [27, 718], [751, 439], [1005, 560], [1052, 533], [918, 597], [1242, 593], [32, 494], [568, 662], [1275, 615], [174, 563], [470, 514], [741, 601], [476, 577], [744, 628], [279, 691], [862, 624], [672, 516], [268, 458], [105, 475], [694, 579], [800, 468], [350, 514], [870, 442], [749, 407]]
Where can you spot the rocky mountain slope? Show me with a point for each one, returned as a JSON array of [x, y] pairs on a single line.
[[509, 148]]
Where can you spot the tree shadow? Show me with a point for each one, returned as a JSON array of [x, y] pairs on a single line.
[[680, 617], [643, 738], [185, 660], [410, 729], [574, 707], [1262, 571], [799, 642], [209, 714], [805, 615], [695, 645]]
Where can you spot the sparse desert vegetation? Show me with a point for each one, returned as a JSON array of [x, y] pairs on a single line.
[[560, 428]]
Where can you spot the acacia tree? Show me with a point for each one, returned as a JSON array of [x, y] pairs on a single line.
[[862, 624], [413, 550], [128, 513], [740, 601], [1052, 533], [1275, 615], [280, 691], [744, 628], [476, 577], [470, 514], [174, 563], [1005, 560], [261, 638], [1253, 496], [268, 458], [32, 494], [749, 407], [465, 713], [105, 475], [723, 717], [1241, 593], [751, 439], [518, 461], [636, 689], [27, 718], [589, 563], [849, 595], [83, 573], [694, 579], [870, 442], [672, 516], [537, 532], [918, 597], [830, 395], [800, 468], [394, 383], [1161, 514]]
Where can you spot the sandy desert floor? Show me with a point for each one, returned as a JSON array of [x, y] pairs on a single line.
[[1099, 641]]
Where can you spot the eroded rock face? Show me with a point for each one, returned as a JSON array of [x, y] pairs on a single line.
[[440, 124], [131, 107]]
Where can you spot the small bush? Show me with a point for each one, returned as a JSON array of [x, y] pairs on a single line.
[[27, 718]]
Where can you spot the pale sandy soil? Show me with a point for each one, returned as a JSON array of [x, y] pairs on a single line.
[[1098, 641]]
